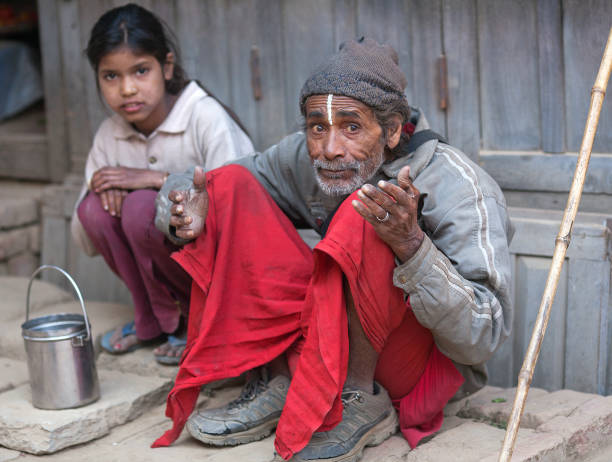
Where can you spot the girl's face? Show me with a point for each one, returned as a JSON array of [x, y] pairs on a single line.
[[133, 86]]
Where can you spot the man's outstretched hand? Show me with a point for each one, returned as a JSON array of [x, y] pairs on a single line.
[[392, 211], [188, 214]]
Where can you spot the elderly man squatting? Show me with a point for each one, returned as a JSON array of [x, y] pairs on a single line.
[[365, 323]]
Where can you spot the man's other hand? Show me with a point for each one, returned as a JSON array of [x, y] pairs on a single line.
[[188, 214], [392, 211]]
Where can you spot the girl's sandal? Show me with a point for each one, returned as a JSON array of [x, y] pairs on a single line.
[[121, 335], [174, 345]]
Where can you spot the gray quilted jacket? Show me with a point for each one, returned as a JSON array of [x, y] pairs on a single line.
[[458, 281]]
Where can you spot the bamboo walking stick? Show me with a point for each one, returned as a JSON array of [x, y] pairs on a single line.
[[561, 243]]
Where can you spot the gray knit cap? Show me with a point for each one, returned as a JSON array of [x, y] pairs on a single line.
[[362, 69]]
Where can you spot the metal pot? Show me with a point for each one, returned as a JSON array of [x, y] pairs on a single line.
[[60, 356]]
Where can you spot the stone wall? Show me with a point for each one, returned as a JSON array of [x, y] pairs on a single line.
[[20, 233]]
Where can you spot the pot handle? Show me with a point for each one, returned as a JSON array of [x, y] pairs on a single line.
[[74, 285]]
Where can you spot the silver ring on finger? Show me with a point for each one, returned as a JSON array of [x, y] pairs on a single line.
[[383, 219]]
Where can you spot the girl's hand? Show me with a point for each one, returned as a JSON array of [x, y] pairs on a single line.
[[112, 200], [126, 178]]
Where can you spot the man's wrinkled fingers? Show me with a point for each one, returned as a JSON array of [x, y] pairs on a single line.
[[372, 206], [176, 196], [361, 209], [177, 209], [176, 221], [180, 221], [392, 190]]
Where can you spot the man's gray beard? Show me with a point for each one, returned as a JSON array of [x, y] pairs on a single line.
[[364, 170]]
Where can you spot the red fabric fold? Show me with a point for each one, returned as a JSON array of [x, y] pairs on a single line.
[[250, 272], [353, 249], [421, 410]]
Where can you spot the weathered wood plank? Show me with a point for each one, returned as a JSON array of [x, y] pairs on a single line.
[[307, 26], [586, 25], [550, 67], [166, 11], [461, 50], [537, 229], [345, 21], [57, 162], [524, 171], [531, 277], [77, 115], [89, 13], [54, 251], [203, 39], [390, 22], [608, 389], [239, 45], [259, 23], [508, 74], [585, 348], [592, 203], [23, 156], [426, 26]]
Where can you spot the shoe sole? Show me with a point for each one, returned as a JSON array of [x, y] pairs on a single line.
[[377, 435], [234, 439]]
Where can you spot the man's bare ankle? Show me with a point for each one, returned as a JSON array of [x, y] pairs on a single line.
[[364, 385]]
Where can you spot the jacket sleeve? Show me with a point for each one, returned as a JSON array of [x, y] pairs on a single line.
[[459, 280], [282, 170]]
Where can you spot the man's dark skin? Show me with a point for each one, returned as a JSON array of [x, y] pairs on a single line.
[[351, 133]]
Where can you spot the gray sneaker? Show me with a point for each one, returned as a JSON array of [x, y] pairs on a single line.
[[250, 417], [367, 420]]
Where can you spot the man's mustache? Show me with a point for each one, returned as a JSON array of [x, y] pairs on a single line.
[[336, 165]]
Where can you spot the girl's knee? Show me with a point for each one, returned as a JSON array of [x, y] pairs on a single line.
[[92, 215], [138, 212]]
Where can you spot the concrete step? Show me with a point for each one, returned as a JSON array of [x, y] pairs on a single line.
[[459, 440], [13, 293], [123, 397], [556, 426]]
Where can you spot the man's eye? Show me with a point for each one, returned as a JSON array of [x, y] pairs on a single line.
[[352, 127], [109, 76], [317, 128], [142, 70]]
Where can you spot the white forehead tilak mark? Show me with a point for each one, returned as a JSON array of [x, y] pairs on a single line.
[[330, 97]]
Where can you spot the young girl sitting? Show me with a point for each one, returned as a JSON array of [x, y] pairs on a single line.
[[162, 124]]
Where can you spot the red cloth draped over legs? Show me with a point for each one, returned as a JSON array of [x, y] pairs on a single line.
[[418, 377], [250, 304], [250, 273]]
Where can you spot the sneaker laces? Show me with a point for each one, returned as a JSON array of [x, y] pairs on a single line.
[[348, 397], [256, 383]]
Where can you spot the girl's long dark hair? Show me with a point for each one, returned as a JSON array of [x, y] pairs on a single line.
[[143, 33]]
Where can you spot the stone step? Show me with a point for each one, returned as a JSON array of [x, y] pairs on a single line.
[[495, 405], [123, 398], [17, 212], [13, 293], [12, 374], [141, 362], [459, 440]]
